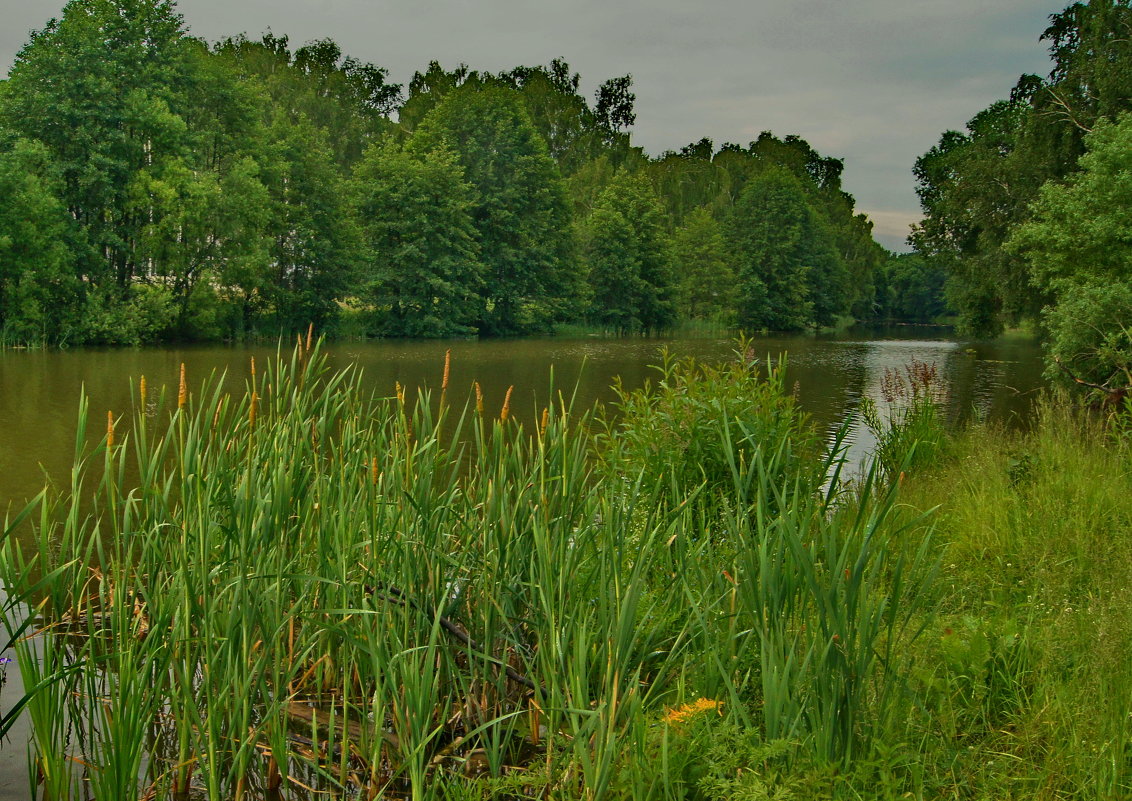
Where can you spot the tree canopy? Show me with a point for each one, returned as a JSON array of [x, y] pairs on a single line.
[[159, 187]]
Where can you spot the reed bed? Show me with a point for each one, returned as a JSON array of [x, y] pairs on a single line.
[[310, 589]]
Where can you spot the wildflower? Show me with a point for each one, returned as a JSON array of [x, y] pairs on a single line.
[[5, 660], [682, 714]]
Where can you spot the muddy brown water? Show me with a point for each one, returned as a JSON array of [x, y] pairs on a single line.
[[40, 390]]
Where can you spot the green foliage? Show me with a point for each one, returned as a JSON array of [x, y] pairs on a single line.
[[698, 424], [37, 279], [784, 259], [1076, 243], [1090, 333], [977, 187], [628, 259], [314, 239], [226, 174], [910, 288], [423, 271], [699, 256], [144, 316], [520, 213]]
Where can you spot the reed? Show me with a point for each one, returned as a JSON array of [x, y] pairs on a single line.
[[312, 585]]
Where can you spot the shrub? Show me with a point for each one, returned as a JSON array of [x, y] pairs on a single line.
[[711, 426]]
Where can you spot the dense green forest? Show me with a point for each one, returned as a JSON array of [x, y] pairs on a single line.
[[1028, 210], [161, 187]]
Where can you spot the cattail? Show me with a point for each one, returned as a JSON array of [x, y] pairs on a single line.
[[310, 335], [400, 393], [545, 418], [444, 381], [479, 398], [216, 414], [109, 430], [141, 393], [505, 412], [182, 390], [373, 470], [252, 409], [253, 371]]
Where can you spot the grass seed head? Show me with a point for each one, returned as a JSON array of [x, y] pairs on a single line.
[[505, 412]]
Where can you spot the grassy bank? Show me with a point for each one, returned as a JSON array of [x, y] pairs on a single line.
[[310, 589]]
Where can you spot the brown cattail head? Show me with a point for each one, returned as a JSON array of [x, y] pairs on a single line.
[[373, 470], [182, 389], [141, 393], [310, 335], [252, 409], [505, 412], [545, 419], [400, 393], [253, 370], [479, 398], [110, 429], [447, 366]]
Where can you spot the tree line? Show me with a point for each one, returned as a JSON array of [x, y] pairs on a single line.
[[161, 187], [1029, 210]]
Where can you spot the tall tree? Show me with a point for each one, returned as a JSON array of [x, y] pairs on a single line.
[[699, 257], [976, 187], [103, 88], [768, 237], [1078, 243], [315, 242], [629, 261], [422, 270], [521, 215], [40, 295]]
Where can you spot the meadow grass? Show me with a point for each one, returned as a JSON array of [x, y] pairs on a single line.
[[312, 589]]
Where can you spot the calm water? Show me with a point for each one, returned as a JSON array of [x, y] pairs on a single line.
[[39, 395], [39, 391]]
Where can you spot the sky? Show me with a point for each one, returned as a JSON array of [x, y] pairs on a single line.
[[874, 82]]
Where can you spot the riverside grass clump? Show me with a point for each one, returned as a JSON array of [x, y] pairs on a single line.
[[1024, 676], [310, 590]]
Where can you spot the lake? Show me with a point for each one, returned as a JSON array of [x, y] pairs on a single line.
[[39, 390]]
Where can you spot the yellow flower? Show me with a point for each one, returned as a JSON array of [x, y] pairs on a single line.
[[682, 714]]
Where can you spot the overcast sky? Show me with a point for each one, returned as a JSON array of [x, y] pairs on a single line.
[[871, 81]]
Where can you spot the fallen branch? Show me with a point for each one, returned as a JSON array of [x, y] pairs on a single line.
[[1112, 395]]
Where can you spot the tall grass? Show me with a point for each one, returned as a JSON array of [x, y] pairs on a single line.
[[312, 586], [1026, 676]]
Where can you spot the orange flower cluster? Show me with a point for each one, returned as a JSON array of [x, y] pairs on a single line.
[[683, 714]]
